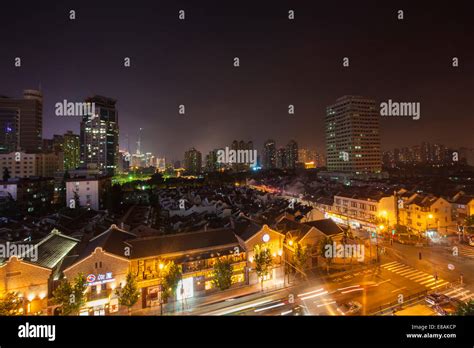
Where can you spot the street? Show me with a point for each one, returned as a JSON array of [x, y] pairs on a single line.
[[400, 278]]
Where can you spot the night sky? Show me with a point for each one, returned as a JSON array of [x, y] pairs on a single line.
[[283, 62]]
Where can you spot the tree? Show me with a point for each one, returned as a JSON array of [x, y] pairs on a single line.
[[113, 198], [263, 261], [10, 303], [156, 179], [170, 280], [300, 257], [325, 250], [6, 174], [70, 296], [77, 201], [222, 277], [129, 294], [465, 309], [469, 220], [62, 188]]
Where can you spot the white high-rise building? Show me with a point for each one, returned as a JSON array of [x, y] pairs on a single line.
[[353, 136]]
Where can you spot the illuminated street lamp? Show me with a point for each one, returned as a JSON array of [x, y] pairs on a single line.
[[428, 223]]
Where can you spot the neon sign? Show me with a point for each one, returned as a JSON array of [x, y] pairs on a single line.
[[93, 279]]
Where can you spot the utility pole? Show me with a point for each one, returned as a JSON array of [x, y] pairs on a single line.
[[397, 212], [161, 299]]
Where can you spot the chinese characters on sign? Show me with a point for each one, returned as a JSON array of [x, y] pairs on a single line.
[[93, 279]]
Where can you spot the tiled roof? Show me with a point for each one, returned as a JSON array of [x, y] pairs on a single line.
[[287, 225], [111, 241], [327, 226], [246, 229], [51, 250], [464, 200], [178, 243]]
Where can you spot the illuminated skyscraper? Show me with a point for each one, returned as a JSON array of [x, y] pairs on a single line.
[[27, 130], [192, 161], [269, 154], [353, 136], [291, 154], [99, 136]]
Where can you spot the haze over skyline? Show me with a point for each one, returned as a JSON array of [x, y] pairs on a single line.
[[282, 62]]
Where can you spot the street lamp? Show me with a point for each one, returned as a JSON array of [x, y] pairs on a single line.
[[161, 266], [428, 223], [381, 228]]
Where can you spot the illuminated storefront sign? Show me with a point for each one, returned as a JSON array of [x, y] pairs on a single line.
[[185, 288], [93, 279]]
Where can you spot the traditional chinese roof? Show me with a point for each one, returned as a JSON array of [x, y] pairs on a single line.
[[326, 226], [182, 243], [50, 250], [111, 241]]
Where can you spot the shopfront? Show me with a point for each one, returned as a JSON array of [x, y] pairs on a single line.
[[104, 273]]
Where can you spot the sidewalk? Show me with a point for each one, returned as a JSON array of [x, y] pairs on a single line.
[[191, 305]]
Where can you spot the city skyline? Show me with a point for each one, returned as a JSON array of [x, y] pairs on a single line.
[[128, 143], [284, 61], [163, 161]]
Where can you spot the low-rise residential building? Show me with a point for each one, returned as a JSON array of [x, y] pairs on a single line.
[[87, 191], [365, 209], [25, 165], [308, 235], [31, 194], [463, 206], [422, 213]]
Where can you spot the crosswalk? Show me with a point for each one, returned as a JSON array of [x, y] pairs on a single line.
[[420, 277], [466, 251], [459, 293]]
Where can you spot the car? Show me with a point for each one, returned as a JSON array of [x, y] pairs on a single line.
[[350, 308], [447, 308], [436, 299], [298, 310]]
